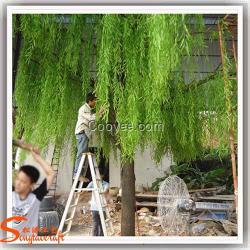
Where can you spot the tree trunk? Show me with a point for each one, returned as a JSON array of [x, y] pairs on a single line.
[[128, 199]]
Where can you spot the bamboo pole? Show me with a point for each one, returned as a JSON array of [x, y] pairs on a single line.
[[231, 127], [234, 51]]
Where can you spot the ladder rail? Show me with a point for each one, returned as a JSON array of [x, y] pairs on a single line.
[[72, 214], [97, 196], [101, 190], [55, 162], [71, 194]]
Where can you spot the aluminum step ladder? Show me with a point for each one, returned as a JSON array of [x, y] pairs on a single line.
[[75, 192]]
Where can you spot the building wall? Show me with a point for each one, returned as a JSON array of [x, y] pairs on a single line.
[[65, 171], [146, 170]]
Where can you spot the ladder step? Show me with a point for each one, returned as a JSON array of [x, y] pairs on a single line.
[[74, 205], [108, 220], [77, 193], [84, 189], [66, 232], [69, 219]]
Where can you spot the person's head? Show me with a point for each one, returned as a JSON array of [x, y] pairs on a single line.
[[91, 99], [26, 177]]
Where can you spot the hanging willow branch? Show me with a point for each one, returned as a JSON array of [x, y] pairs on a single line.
[[49, 92], [139, 60]]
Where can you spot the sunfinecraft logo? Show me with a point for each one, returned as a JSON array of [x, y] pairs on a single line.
[[27, 234]]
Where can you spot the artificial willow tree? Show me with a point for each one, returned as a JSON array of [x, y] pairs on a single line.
[[139, 61]]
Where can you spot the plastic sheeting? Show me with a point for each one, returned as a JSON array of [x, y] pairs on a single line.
[[48, 222]]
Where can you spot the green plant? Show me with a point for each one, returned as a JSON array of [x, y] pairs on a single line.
[[196, 176]]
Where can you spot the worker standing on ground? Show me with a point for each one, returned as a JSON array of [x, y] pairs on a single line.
[[83, 132], [97, 225]]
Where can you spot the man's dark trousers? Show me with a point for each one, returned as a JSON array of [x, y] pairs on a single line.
[[97, 225]]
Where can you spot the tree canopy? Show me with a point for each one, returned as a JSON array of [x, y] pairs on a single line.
[[135, 64]]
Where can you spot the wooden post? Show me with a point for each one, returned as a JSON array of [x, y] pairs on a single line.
[[231, 126]]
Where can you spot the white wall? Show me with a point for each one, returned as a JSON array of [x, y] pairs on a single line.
[[64, 177], [114, 170], [146, 170]]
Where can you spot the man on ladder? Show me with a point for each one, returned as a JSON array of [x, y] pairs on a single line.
[[97, 226], [86, 119], [84, 160]]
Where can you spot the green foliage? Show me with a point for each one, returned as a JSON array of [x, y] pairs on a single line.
[[48, 86], [139, 62], [199, 179], [196, 176], [140, 79]]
